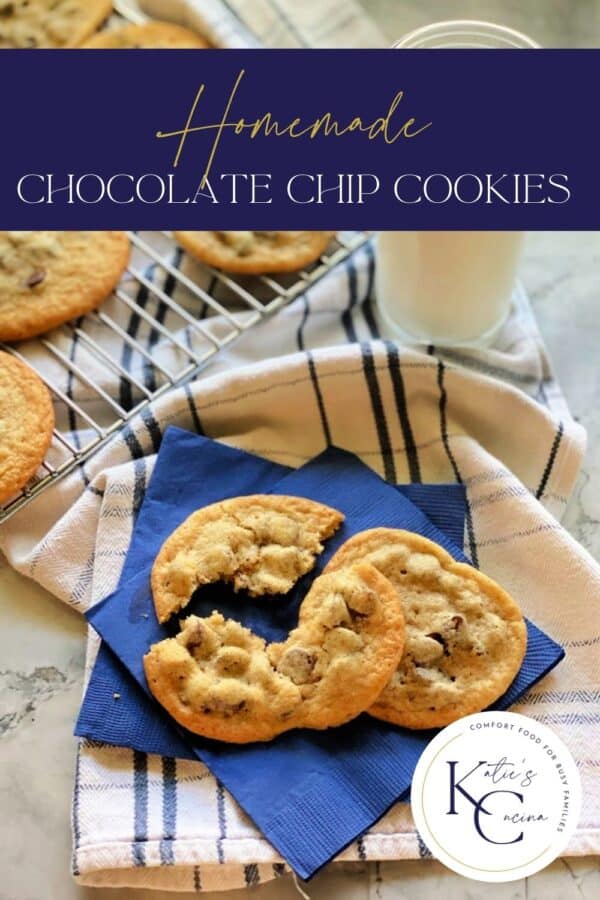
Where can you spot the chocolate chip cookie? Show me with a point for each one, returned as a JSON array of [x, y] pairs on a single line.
[[26, 423], [50, 23], [465, 636], [255, 252], [218, 679], [261, 543], [48, 277]]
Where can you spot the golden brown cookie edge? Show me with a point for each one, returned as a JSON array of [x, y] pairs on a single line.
[[246, 265], [47, 422]]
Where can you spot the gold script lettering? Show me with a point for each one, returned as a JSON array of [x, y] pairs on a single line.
[[266, 125]]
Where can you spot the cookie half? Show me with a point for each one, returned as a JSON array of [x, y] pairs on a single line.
[[465, 636], [255, 252], [50, 23], [147, 36], [218, 679], [262, 543], [26, 423], [49, 277]]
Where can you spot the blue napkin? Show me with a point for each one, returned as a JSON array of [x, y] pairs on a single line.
[[310, 793]]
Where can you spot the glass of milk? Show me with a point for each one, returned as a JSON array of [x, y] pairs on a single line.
[[449, 287]]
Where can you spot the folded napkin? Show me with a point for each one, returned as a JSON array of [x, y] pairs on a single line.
[[310, 793]]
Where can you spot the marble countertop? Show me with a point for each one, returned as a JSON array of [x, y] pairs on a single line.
[[42, 657]]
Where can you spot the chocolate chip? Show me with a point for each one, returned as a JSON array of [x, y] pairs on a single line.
[[194, 636], [36, 277], [298, 664], [356, 616], [436, 636], [7, 10], [225, 709]]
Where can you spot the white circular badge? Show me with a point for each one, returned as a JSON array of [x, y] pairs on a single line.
[[496, 796]]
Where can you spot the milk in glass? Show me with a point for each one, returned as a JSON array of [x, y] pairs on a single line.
[[450, 287]]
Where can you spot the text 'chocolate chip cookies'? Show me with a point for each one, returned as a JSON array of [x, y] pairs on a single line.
[[261, 543], [26, 423], [220, 680], [48, 277], [465, 636]]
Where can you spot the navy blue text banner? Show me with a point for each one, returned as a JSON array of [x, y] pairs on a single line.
[[379, 139]]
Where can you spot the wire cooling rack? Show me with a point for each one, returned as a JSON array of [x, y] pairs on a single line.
[[168, 318]]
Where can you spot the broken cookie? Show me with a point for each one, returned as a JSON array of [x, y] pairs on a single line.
[[261, 543], [218, 679]]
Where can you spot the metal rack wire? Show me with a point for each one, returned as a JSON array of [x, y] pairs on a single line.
[[169, 318]]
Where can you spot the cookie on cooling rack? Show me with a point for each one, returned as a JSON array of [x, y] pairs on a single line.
[[26, 423], [255, 252], [48, 277], [220, 680], [465, 636], [261, 543], [50, 23], [147, 36]]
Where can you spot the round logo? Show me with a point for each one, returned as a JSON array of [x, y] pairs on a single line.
[[496, 796]]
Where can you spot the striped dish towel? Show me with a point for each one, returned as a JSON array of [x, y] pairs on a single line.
[[494, 420]]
